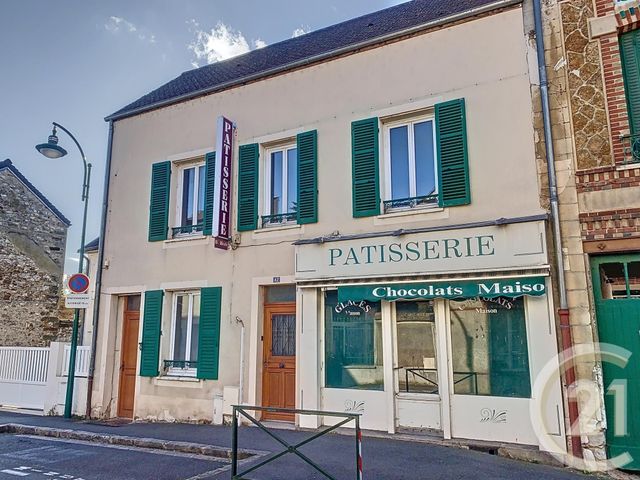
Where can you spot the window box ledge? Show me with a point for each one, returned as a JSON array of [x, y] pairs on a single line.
[[278, 231], [173, 381], [412, 215], [195, 239]]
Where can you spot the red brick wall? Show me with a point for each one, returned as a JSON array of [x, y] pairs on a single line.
[[614, 89], [607, 178], [612, 224], [604, 7]]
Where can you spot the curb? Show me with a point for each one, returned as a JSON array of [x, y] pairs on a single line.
[[140, 442]]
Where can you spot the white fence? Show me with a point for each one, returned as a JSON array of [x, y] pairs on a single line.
[[83, 357], [36, 378], [23, 375]]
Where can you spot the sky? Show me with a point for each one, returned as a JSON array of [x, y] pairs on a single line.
[[76, 61]]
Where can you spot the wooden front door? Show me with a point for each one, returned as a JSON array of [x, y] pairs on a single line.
[[129, 357], [616, 283], [279, 367]]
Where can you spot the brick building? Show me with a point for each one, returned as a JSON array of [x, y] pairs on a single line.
[[593, 63], [33, 235]]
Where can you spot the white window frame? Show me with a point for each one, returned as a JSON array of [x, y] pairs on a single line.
[[285, 147], [408, 122], [178, 215], [174, 371]]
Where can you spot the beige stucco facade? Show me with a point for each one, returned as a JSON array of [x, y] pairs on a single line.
[[488, 61]]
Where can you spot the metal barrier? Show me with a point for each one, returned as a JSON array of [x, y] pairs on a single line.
[[291, 448]]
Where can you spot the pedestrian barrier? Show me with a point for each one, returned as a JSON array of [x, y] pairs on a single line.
[[291, 448]]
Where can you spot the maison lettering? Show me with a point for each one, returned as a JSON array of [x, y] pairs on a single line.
[[450, 248]]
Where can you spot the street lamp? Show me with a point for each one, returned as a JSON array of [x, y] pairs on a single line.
[[51, 149]]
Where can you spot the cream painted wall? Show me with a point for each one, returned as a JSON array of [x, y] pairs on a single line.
[[484, 61]]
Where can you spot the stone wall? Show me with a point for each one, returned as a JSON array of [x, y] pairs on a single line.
[[577, 115], [585, 83], [32, 250]]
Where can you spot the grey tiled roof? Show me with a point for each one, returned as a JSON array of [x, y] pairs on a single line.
[[321, 44], [8, 165]]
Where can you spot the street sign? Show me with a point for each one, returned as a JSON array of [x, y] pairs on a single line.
[[77, 300], [78, 283]]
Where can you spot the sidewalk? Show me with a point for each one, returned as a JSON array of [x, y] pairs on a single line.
[[384, 458]]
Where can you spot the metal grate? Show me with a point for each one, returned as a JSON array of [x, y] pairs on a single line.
[[283, 335]]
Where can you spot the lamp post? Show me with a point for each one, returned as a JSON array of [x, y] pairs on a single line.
[[51, 149]]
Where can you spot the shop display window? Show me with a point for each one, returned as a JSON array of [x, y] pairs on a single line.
[[353, 344], [490, 354]]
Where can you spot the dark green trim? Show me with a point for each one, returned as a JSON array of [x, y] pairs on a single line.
[[630, 57], [451, 145], [365, 167], [210, 186], [151, 331], [307, 202], [209, 333], [159, 202], [248, 174]]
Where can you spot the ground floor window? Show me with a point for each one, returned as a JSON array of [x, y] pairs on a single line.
[[489, 344], [416, 336], [353, 344], [184, 334]]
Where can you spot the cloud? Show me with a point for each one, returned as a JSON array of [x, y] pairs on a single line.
[[220, 43], [299, 31], [115, 25]]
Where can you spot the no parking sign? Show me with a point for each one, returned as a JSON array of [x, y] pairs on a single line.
[[78, 283]]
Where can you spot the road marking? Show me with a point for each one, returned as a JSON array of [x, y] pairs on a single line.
[[15, 472]]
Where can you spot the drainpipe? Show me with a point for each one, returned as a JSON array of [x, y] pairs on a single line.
[[96, 300], [563, 311], [241, 384]]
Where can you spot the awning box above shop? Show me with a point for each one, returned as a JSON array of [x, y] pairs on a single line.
[[489, 288]]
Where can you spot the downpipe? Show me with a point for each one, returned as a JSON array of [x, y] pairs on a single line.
[[99, 267], [573, 441]]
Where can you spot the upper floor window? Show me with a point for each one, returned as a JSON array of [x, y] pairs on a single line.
[[410, 164], [281, 175], [190, 201], [185, 326]]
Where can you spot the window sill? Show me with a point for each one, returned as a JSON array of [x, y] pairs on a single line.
[[178, 381], [627, 166], [411, 215], [278, 231], [198, 239]]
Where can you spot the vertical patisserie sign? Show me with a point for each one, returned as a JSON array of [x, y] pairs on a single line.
[[223, 180]]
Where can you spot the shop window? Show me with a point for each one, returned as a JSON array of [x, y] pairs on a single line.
[[184, 335], [410, 166], [281, 175], [190, 201], [416, 334], [353, 344], [490, 351]]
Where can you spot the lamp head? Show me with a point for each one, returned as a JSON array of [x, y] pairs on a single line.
[[51, 149]]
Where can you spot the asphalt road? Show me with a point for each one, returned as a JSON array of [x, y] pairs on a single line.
[[36, 458]]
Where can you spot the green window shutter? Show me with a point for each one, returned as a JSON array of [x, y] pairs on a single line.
[[453, 164], [151, 324], [209, 333], [210, 184], [248, 187], [365, 168], [307, 202], [159, 204], [630, 53]]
